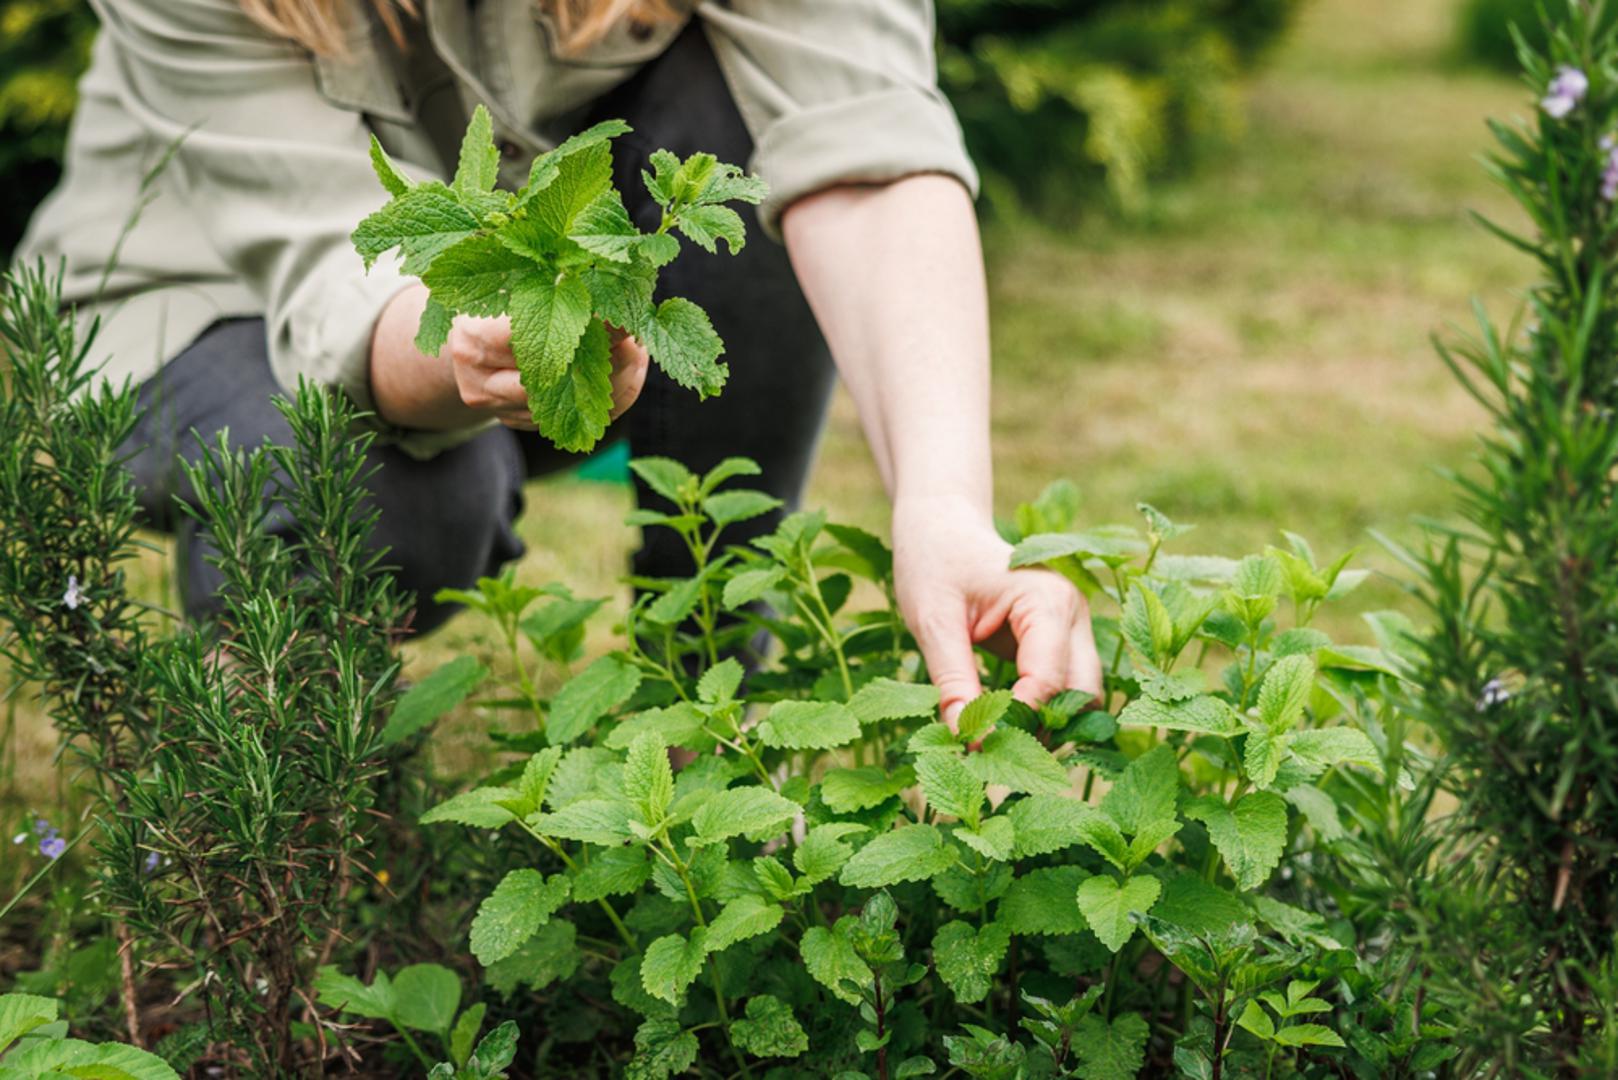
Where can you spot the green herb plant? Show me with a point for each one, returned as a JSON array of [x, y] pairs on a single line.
[[1089, 889], [562, 258], [34, 1045]]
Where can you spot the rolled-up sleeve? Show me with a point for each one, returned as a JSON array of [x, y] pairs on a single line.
[[836, 92], [275, 175]]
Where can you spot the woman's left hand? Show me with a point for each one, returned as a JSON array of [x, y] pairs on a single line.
[[956, 590]]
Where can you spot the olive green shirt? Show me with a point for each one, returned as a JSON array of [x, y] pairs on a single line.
[[270, 169]]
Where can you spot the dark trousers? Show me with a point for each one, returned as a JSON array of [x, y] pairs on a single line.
[[448, 520]]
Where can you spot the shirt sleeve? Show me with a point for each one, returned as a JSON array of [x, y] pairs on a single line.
[[836, 91], [276, 175]]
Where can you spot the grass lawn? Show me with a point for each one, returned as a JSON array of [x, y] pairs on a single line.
[[1250, 353]]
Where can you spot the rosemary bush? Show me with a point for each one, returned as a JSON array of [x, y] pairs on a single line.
[[1520, 675]]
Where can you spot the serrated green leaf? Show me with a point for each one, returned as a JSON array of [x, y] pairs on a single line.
[[648, 778], [747, 586], [662, 1049], [981, 714], [1262, 756], [1046, 823], [1249, 837], [950, 787], [600, 688], [747, 916], [432, 331], [1308, 1035], [1043, 901], [682, 342], [548, 318], [967, 958], [850, 790], [823, 851], [480, 808], [672, 963], [519, 905], [1285, 692], [614, 871], [719, 683], [769, 1029], [574, 411], [993, 838], [729, 507], [743, 811], [888, 699], [1197, 714], [830, 959], [422, 223], [706, 225], [550, 956], [1145, 794], [1114, 1051], [432, 697], [426, 997], [808, 725], [22, 1013], [911, 853], [389, 174], [465, 1033], [1015, 759], [1109, 907], [63, 1057], [477, 275], [589, 821], [1322, 748], [345, 993], [603, 228], [582, 176], [479, 164]]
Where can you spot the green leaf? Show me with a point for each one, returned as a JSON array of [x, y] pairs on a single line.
[[1263, 755], [910, 853], [682, 341], [993, 838], [982, 714], [706, 225], [888, 699], [1285, 692], [848, 791], [1015, 759], [1113, 1051], [589, 821], [823, 851], [1308, 1035], [574, 411], [426, 997], [597, 690], [22, 1013], [1041, 901], [1109, 907], [498, 1049], [548, 318], [662, 1049], [345, 993], [1257, 1021], [1049, 547], [613, 871], [422, 223], [603, 228], [1047, 823], [671, 964], [756, 812], [582, 177], [967, 959], [1145, 794], [47, 1059], [719, 683], [1147, 625], [667, 477], [747, 916], [1250, 837], [480, 808], [831, 961], [519, 905], [479, 164], [432, 331], [729, 507], [396, 182], [808, 725], [950, 786], [1101, 833], [769, 1029], [477, 276], [1324, 747], [1198, 714], [1318, 809], [649, 779], [551, 955], [465, 1033], [432, 697], [746, 586]]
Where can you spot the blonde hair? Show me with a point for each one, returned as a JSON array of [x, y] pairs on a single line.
[[321, 25]]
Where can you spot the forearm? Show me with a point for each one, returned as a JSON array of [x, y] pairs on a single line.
[[894, 274], [412, 390]]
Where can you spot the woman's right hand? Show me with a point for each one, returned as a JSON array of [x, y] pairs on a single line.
[[479, 353], [475, 377]]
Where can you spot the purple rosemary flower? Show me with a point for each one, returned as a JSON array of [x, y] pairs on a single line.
[[149, 864], [1565, 91], [74, 595], [52, 846]]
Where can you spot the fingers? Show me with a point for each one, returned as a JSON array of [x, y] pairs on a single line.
[[1084, 662], [946, 644], [629, 363], [1043, 623]]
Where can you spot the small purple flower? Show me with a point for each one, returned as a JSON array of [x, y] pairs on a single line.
[[1494, 693], [52, 846], [1566, 90], [149, 864], [74, 595], [41, 827]]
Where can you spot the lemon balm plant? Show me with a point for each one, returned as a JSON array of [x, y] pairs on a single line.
[[747, 830], [562, 258]]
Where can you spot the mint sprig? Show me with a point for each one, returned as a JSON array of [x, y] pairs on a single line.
[[561, 257]]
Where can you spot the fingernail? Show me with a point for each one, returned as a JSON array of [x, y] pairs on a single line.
[[952, 714]]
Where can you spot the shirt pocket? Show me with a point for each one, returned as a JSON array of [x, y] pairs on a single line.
[[366, 80], [626, 45]]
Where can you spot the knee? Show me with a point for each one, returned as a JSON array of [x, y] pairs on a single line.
[[448, 521]]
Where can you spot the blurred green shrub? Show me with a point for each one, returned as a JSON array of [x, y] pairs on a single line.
[[1483, 30], [44, 45], [1058, 95]]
